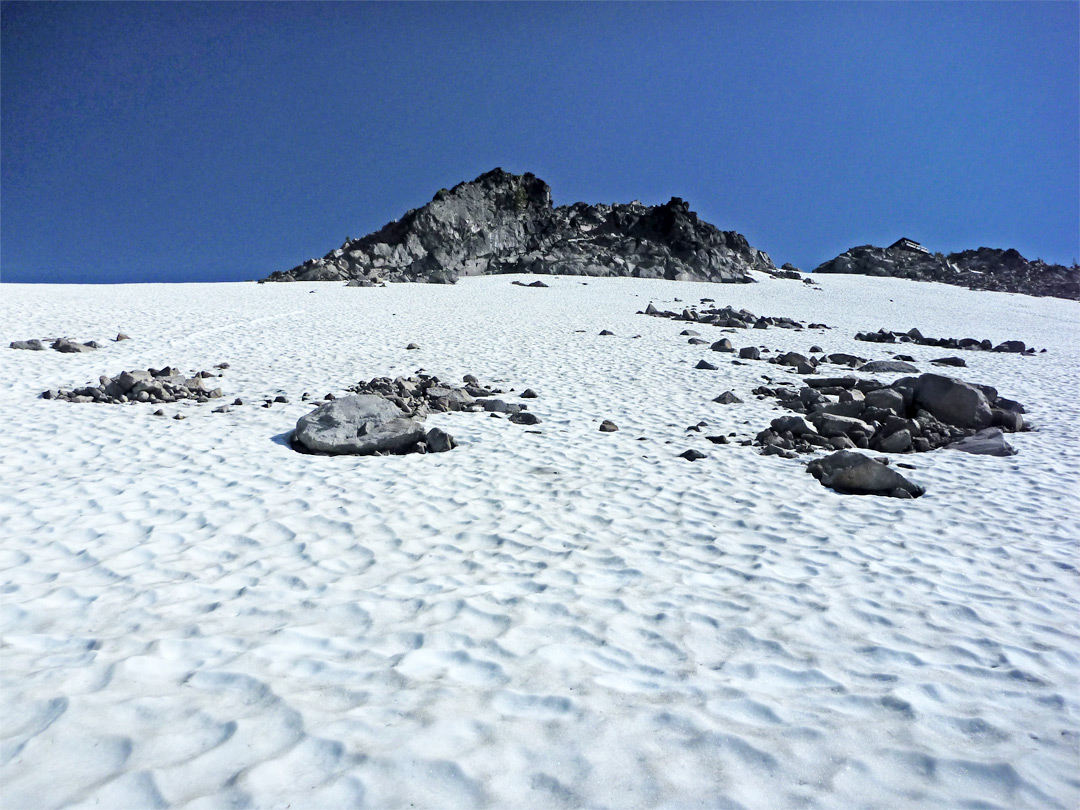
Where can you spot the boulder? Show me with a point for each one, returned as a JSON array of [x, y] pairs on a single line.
[[358, 425], [607, 426], [33, 345], [727, 398], [848, 472], [953, 402], [987, 442], [706, 365], [722, 345], [70, 346], [956, 362], [749, 353], [437, 440], [888, 366]]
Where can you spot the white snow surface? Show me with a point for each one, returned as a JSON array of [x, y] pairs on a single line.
[[194, 615]]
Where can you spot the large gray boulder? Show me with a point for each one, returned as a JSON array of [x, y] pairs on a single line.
[[852, 473], [358, 425], [953, 402], [505, 223]]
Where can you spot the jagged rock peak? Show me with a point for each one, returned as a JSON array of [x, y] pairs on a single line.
[[505, 223], [981, 269]]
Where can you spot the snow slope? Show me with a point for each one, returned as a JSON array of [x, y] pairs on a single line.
[[193, 615]]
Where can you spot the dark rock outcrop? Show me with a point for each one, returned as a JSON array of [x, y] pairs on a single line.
[[152, 385], [505, 223], [981, 269]]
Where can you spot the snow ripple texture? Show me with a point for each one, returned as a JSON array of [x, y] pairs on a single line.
[[196, 616]]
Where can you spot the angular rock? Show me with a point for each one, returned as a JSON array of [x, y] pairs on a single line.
[[749, 353], [439, 441], [986, 442], [707, 366], [33, 345], [722, 345], [607, 426], [957, 362]]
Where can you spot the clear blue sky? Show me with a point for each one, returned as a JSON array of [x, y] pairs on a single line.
[[196, 142]]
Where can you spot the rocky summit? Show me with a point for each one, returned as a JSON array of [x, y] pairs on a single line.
[[506, 223], [981, 269]]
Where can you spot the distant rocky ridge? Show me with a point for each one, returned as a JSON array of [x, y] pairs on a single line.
[[982, 269], [505, 223]]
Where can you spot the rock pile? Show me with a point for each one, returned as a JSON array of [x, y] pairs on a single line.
[[982, 269], [62, 345], [505, 223], [729, 317], [913, 414], [970, 344], [385, 416], [152, 385]]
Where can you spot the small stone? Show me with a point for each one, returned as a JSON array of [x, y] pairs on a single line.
[[524, 418], [411, 346], [727, 398], [692, 455], [606, 332], [749, 353], [607, 426], [282, 399], [222, 366], [707, 366], [121, 336], [179, 417], [238, 401], [528, 393], [159, 412]]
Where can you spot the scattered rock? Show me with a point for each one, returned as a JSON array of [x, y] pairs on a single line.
[[33, 345], [606, 332], [524, 418], [528, 393], [411, 346], [120, 336], [607, 426], [707, 366], [722, 345], [692, 455], [523, 284], [749, 353], [151, 385]]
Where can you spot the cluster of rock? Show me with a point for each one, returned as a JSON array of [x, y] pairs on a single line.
[[969, 344], [62, 345], [981, 269], [729, 317], [425, 393], [385, 416], [152, 385], [912, 414], [505, 223]]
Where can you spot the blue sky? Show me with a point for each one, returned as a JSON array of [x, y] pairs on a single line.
[[199, 142]]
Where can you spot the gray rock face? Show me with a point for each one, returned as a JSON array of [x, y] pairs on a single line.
[[505, 223], [71, 346], [988, 442], [358, 425], [982, 269], [852, 473]]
